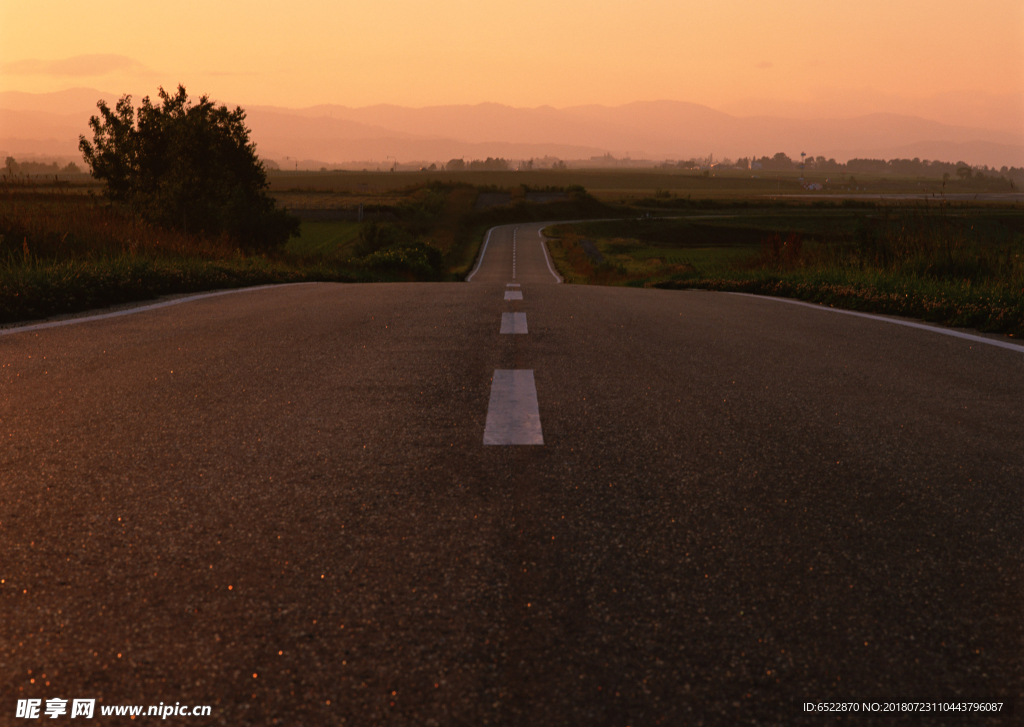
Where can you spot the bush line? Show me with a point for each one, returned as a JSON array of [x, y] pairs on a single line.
[[38, 290]]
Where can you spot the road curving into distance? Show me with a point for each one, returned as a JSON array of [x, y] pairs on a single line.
[[515, 254], [283, 503]]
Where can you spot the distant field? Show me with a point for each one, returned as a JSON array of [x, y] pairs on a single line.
[[300, 189], [632, 251], [342, 189], [324, 239], [600, 182]]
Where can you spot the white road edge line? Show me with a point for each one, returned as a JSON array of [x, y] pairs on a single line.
[[513, 416], [513, 323], [483, 252], [547, 257], [140, 309], [909, 324]]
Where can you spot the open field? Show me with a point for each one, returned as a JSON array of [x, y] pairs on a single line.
[[345, 189], [296, 189], [325, 239]]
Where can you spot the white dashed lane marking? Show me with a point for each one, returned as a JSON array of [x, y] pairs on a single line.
[[512, 285], [513, 416], [513, 323], [513, 295]]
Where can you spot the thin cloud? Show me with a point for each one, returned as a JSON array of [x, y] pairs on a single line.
[[97, 64], [764, 65], [233, 74]]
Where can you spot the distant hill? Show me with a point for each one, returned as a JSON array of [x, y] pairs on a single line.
[[335, 139], [49, 125]]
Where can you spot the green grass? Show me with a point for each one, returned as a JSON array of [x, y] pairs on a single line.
[[637, 251], [988, 308], [961, 266], [324, 239], [709, 259], [64, 253]]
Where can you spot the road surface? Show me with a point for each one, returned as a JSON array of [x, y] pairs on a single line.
[[280, 504]]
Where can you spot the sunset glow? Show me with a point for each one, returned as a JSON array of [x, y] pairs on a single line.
[[943, 59]]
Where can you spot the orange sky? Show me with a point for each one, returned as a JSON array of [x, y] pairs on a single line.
[[788, 57]]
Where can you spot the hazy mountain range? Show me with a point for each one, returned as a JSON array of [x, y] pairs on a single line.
[[33, 125]]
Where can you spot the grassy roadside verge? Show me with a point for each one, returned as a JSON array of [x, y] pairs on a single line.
[[986, 309], [67, 253], [963, 270], [38, 289]]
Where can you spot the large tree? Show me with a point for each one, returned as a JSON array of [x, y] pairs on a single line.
[[186, 166]]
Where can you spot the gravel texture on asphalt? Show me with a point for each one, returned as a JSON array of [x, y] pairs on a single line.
[[278, 503]]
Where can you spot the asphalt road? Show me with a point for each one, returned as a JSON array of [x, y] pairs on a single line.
[[514, 254], [278, 503]]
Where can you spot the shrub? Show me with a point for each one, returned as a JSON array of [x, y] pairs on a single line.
[[412, 259]]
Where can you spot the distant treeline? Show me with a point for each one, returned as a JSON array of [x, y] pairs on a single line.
[[13, 167], [489, 164], [782, 163], [898, 167]]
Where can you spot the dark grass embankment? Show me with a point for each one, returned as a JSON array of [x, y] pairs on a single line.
[[39, 289], [445, 216], [65, 253], [958, 266], [988, 309]]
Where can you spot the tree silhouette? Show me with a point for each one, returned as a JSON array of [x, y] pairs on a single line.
[[187, 166]]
